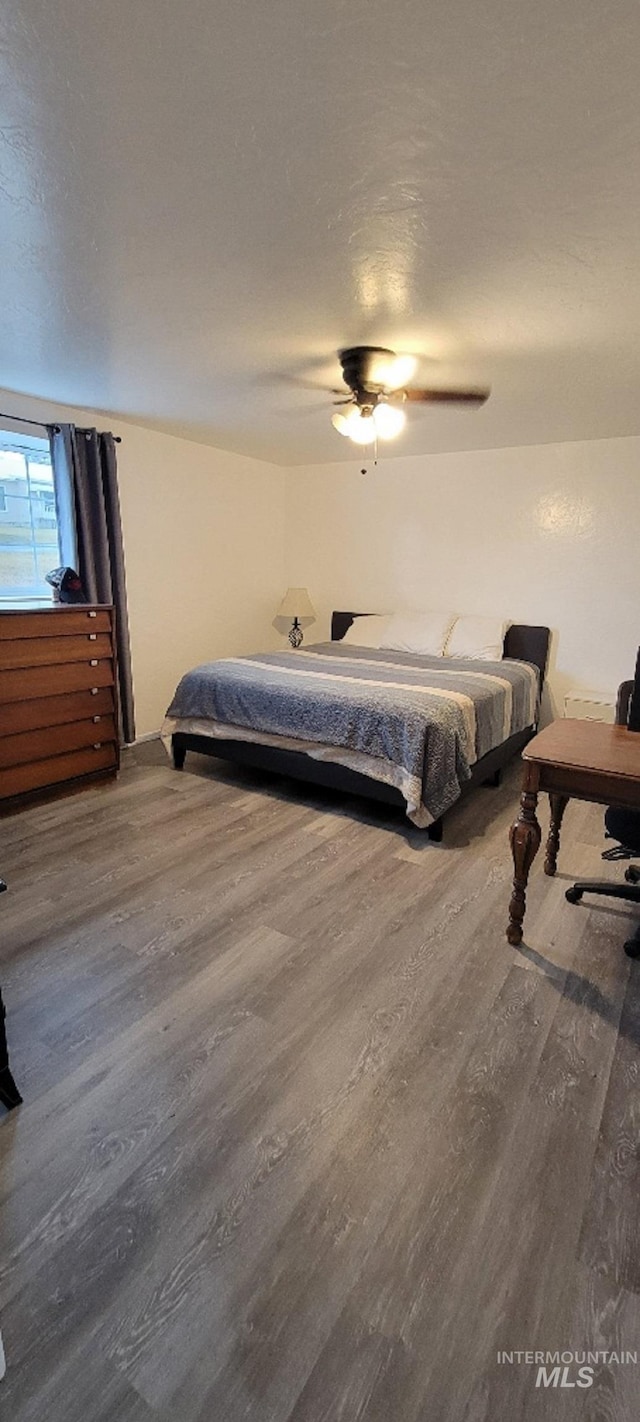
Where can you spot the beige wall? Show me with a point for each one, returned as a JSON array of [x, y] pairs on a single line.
[[204, 550], [204, 547], [544, 534]]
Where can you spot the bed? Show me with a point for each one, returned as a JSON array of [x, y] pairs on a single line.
[[412, 731]]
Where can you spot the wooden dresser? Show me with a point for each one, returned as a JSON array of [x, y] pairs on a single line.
[[57, 697]]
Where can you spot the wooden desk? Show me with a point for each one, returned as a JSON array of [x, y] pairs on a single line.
[[580, 760]]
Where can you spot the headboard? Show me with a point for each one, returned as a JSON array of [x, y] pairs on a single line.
[[524, 644]]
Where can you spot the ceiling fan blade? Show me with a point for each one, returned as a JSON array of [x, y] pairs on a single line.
[[302, 412], [300, 382], [447, 397]]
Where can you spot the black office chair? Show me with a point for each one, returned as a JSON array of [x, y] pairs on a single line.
[[621, 825]]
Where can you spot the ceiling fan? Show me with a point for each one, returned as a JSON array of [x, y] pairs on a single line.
[[378, 381]]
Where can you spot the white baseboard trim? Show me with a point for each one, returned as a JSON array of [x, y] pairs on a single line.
[[149, 736]]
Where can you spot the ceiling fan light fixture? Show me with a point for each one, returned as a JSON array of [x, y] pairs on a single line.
[[340, 423], [362, 430], [379, 382], [393, 371], [389, 420], [358, 425]]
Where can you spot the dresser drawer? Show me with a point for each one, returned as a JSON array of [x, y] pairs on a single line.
[[27, 683], [19, 716], [53, 651], [41, 773], [55, 740], [56, 622]]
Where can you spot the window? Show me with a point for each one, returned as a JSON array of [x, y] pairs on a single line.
[[29, 542]]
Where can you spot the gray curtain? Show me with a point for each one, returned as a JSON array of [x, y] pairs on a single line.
[[86, 482]]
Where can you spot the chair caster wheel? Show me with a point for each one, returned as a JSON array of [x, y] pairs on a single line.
[[632, 875], [574, 895]]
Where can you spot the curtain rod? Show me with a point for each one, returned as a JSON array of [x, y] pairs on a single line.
[[20, 420]]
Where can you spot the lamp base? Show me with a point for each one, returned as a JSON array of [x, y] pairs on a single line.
[[295, 635]]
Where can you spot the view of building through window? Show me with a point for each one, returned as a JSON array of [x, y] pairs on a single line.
[[29, 544]]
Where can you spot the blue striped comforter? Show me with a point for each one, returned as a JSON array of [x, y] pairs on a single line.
[[417, 723]]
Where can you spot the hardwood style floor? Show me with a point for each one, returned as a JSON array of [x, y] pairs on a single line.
[[304, 1140]]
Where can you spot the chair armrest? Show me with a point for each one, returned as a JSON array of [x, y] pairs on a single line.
[[622, 704]]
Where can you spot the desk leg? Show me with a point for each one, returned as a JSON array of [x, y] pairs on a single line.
[[558, 805], [524, 838]]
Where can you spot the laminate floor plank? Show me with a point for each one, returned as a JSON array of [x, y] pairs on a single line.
[[303, 1280], [605, 1319], [303, 1138], [92, 1389], [610, 1238], [353, 1078], [400, 1298], [540, 1194]]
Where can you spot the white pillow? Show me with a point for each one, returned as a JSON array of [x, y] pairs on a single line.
[[481, 638], [366, 631], [424, 633]]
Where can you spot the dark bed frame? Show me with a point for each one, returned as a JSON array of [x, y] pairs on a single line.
[[525, 644]]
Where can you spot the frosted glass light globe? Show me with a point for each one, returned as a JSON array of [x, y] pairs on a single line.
[[358, 427], [389, 420]]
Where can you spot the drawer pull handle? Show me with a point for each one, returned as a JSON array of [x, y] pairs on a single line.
[[93, 636], [96, 719], [94, 691], [97, 745], [93, 662], [92, 614]]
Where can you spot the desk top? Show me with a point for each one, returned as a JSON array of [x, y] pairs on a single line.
[[587, 745]]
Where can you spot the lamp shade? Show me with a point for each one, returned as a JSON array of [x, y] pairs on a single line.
[[297, 603]]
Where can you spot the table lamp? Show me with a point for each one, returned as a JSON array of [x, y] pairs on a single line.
[[297, 605]]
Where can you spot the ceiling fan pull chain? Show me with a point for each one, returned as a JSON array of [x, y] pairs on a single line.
[[364, 470]]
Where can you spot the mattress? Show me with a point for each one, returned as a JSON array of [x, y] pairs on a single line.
[[417, 723]]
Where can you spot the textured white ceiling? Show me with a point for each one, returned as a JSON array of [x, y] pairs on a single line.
[[200, 198]]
